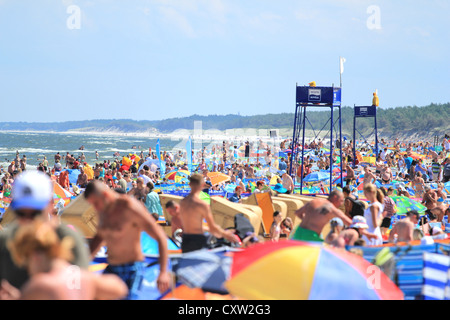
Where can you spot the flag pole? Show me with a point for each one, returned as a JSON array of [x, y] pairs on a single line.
[[340, 71]]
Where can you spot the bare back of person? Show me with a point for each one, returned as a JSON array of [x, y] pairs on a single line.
[[369, 177], [60, 284], [419, 184], [68, 282], [192, 212], [120, 229], [347, 237], [403, 229]]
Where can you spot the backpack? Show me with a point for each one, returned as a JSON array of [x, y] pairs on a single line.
[[358, 207]]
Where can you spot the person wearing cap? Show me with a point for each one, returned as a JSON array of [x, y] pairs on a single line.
[[32, 198], [403, 229], [236, 197]]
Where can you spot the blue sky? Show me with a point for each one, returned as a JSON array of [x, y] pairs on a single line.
[[157, 59]]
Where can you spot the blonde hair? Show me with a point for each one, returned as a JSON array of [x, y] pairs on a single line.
[[39, 236], [371, 188]]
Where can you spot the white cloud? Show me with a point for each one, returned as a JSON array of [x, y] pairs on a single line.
[[174, 17]]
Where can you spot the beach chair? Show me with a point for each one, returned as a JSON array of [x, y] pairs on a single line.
[[268, 207], [409, 265]]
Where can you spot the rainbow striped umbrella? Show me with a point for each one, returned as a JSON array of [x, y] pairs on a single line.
[[172, 175], [295, 270]]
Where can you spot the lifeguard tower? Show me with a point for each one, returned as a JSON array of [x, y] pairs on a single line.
[[313, 97]]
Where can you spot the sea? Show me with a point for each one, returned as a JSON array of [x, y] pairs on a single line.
[[36, 145]]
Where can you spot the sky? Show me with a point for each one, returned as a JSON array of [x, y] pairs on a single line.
[[63, 60]]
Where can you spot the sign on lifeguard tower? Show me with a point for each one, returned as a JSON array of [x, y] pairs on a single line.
[[319, 95], [362, 112]]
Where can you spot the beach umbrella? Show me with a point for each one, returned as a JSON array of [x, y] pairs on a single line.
[[204, 269], [218, 177], [183, 292], [295, 270], [171, 175], [59, 192], [282, 154], [73, 175], [61, 196], [273, 180], [405, 204], [205, 197], [317, 176]]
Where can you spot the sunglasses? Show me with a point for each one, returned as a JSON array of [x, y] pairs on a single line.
[[28, 214]]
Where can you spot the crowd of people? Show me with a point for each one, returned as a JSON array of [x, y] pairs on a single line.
[[38, 248]]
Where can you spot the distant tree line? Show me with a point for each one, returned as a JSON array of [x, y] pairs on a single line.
[[392, 120]]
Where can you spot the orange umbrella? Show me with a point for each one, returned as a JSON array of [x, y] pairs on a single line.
[[416, 155], [218, 177]]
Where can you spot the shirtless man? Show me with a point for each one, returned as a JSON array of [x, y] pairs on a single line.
[[404, 228], [121, 219], [192, 212], [82, 179], [315, 215], [68, 159], [386, 174], [369, 177], [350, 174], [140, 191], [287, 182], [173, 209]]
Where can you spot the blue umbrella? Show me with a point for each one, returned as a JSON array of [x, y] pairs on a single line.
[[204, 269], [317, 176], [73, 175]]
